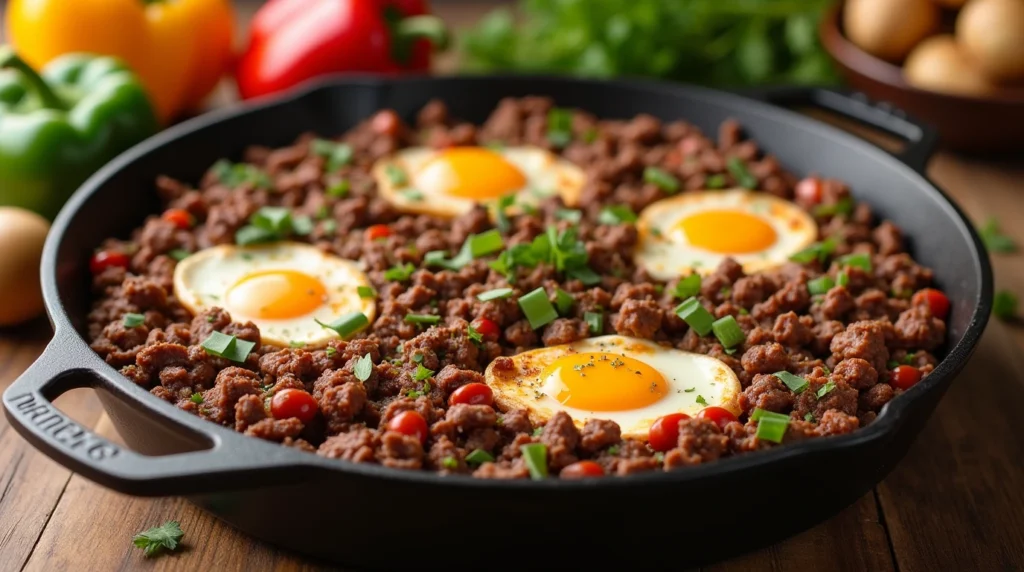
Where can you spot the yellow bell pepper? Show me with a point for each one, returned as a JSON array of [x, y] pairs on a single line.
[[179, 48]]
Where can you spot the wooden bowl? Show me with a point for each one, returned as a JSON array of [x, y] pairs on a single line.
[[968, 124]]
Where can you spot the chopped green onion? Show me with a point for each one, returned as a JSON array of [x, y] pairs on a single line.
[[396, 175], [330, 351], [795, 383], [363, 368], [474, 335], [323, 212], [337, 154], [809, 417], [738, 170], [563, 301], [236, 174], [701, 401], [842, 279], [616, 214], [584, 274], [818, 251], [825, 389], [862, 261], [687, 287], [595, 322], [496, 294], [715, 182], [694, 314], [559, 126], [770, 426], [537, 308], [339, 189], [450, 463], [228, 347], [348, 324], [536, 457], [501, 216], [1004, 305], [179, 254], [302, 225], [485, 243], [296, 345], [820, 285], [196, 398], [133, 320], [422, 373], [251, 235], [421, 319], [366, 292], [571, 215], [479, 457], [728, 332], [412, 195], [843, 206], [661, 179], [399, 273], [274, 219]]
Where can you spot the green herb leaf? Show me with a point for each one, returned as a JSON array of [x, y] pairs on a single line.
[[661, 179], [560, 126], [1004, 305], [366, 292], [396, 175], [595, 322], [571, 215], [133, 320], [795, 383], [825, 389], [235, 175], [496, 294], [843, 206], [994, 239], [701, 401], [820, 285], [179, 254], [422, 373], [501, 217], [422, 319], [363, 368], [479, 457], [196, 398], [399, 273], [616, 214], [715, 182], [536, 457], [340, 189], [163, 537], [563, 301], [228, 347], [348, 324], [738, 170], [819, 251], [687, 287], [809, 417], [474, 335]]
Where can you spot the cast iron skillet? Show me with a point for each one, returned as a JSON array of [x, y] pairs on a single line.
[[369, 516]]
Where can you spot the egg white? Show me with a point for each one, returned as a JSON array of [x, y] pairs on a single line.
[[546, 174], [203, 280], [688, 375], [665, 252]]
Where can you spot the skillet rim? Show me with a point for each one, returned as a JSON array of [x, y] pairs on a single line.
[[886, 425]]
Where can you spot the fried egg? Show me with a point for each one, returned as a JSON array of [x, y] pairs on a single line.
[[627, 380], [281, 287], [449, 182], [694, 231]]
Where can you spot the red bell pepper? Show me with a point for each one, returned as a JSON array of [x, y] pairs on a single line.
[[292, 41]]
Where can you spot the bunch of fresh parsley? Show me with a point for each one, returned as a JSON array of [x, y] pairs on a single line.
[[713, 42]]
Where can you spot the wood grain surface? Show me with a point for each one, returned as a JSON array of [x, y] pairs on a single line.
[[956, 502]]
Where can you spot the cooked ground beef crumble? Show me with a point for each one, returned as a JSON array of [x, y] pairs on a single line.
[[847, 338]]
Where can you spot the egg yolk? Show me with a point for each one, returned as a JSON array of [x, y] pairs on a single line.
[[471, 173], [728, 232], [276, 295], [601, 381]]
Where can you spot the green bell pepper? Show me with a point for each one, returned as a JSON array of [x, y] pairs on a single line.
[[59, 127]]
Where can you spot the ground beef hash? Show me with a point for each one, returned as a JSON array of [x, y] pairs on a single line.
[[848, 337]]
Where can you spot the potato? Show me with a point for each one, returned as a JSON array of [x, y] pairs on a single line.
[[889, 29], [992, 33], [22, 233], [939, 64]]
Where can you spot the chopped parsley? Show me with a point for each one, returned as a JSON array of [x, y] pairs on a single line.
[[330, 351], [474, 335], [475, 246], [366, 292], [179, 254], [795, 383], [363, 368], [809, 417], [340, 189], [337, 154], [196, 398], [422, 373], [163, 537], [450, 463], [595, 322], [843, 206], [715, 181], [228, 347], [701, 401], [571, 215], [819, 251], [412, 195], [613, 450], [994, 239], [269, 224], [687, 287], [537, 431], [396, 175], [133, 320]]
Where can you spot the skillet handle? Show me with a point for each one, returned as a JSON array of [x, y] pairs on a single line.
[[28, 404], [920, 138]]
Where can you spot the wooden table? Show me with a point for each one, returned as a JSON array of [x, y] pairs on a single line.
[[956, 502]]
